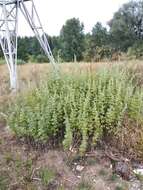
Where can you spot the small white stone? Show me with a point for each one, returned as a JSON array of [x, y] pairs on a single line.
[[79, 168], [94, 180], [111, 167], [138, 171]]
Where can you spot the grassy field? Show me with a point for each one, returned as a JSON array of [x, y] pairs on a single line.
[[96, 112], [29, 74]]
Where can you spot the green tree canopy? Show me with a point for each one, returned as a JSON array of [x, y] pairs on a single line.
[[72, 39], [127, 25], [99, 35], [99, 38]]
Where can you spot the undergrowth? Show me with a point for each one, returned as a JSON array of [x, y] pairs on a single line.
[[78, 110]]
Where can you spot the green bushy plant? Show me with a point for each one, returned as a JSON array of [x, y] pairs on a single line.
[[20, 62], [46, 175], [84, 108], [136, 51], [38, 58], [2, 61]]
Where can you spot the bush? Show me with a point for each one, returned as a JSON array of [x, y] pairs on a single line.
[[38, 58], [102, 53], [20, 62], [2, 62], [79, 110], [41, 59], [136, 51]]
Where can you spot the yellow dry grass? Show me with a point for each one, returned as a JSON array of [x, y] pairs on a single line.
[[30, 74]]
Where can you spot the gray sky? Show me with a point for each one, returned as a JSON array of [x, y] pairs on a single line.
[[54, 13]]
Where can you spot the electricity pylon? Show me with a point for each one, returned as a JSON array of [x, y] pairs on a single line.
[[9, 10]]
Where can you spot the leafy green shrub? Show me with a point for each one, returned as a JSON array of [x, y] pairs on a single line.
[[79, 110], [136, 51], [84, 185], [38, 58], [4, 180], [2, 62], [20, 62], [41, 59], [102, 53], [47, 176]]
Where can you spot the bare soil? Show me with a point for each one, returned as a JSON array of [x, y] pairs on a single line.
[[20, 167]]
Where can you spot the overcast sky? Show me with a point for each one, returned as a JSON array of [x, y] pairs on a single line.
[[54, 13]]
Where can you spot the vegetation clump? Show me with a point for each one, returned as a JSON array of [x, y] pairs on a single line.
[[79, 111]]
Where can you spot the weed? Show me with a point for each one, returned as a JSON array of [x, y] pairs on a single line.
[[28, 163], [1, 141], [92, 161], [103, 172], [119, 187], [139, 177], [30, 186], [84, 186], [4, 180], [9, 158], [61, 188], [28, 166], [113, 177], [47, 176]]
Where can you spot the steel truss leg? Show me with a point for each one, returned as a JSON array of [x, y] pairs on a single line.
[[8, 39], [8, 33], [35, 24]]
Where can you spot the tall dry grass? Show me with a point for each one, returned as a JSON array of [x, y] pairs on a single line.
[[27, 71], [30, 74]]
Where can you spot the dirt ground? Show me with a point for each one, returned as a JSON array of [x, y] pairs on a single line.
[[23, 168]]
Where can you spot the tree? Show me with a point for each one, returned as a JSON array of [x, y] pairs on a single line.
[[72, 40], [99, 35], [98, 39], [89, 49], [126, 27], [29, 48], [33, 46], [22, 48], [56, 47], [136, 51]]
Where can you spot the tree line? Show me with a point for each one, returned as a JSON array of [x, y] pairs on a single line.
[[124, 36]]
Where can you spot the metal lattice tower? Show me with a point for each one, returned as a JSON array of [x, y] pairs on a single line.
[[9, 31]]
